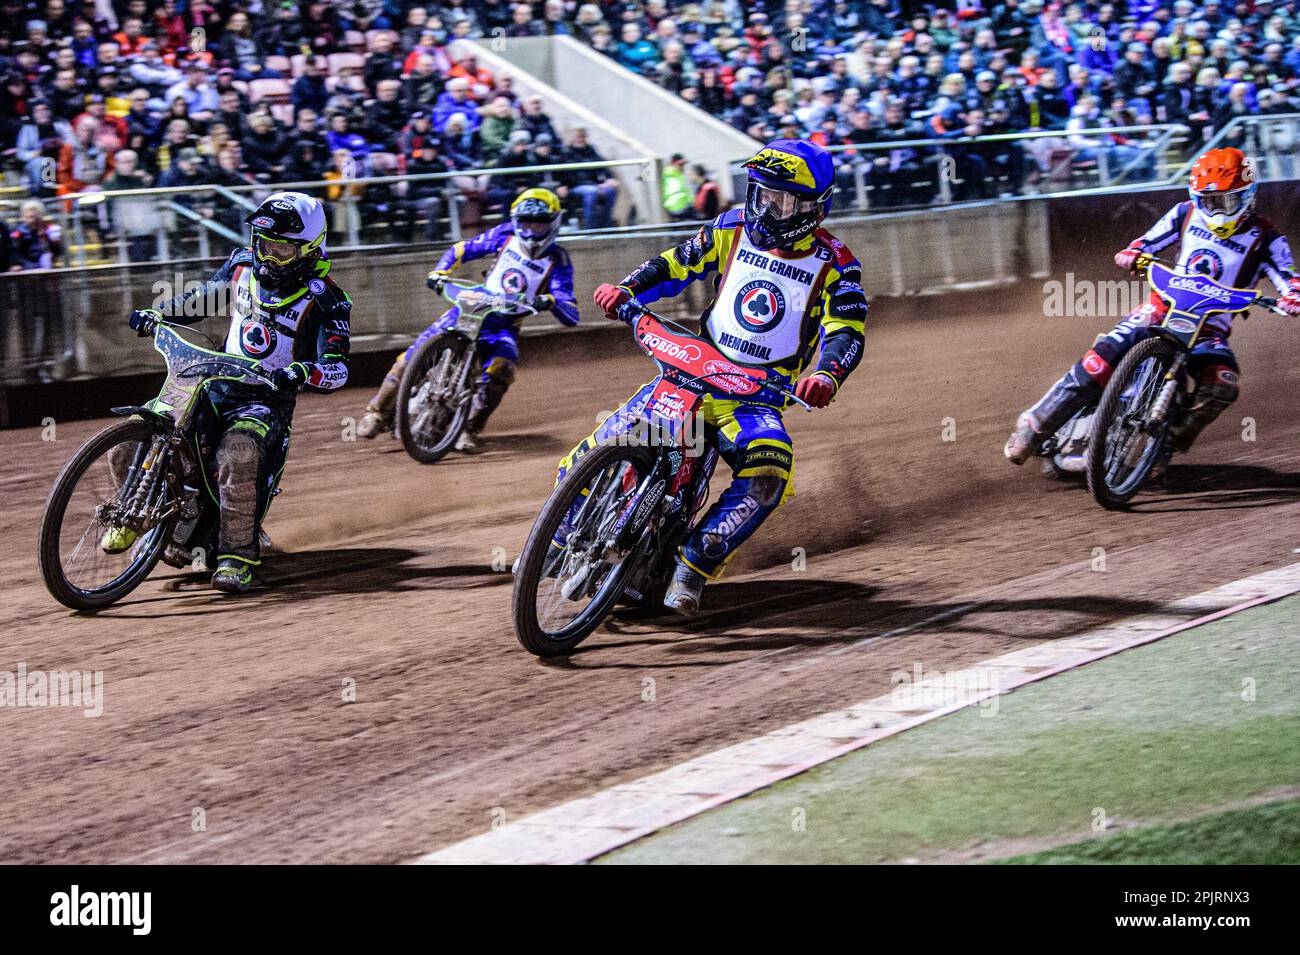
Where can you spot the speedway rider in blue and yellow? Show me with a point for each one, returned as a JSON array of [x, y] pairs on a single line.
[[784, 286], [529, 264]]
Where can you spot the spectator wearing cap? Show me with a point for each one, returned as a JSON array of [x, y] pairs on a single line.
[[417, 132], [152, 72], [1134, 77], [456, 99], [501, 189], [110, 131], [108, 87]]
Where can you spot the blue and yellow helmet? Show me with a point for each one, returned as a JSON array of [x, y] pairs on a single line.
[[789, 192], [536, 217]]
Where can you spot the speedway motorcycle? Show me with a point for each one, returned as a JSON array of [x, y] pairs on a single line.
[[148, 482], [1151, 389], [438, 385], [612, 525]]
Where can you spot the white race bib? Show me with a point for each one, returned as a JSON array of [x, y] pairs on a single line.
[[759, 314]]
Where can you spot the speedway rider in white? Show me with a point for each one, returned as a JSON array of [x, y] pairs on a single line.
[[287, 313], [1222, 238]]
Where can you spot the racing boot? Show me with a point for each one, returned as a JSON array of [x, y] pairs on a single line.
[[117, 540], [684, 590], [233, 576], [469, 442], [379, 413], [1044, 419]]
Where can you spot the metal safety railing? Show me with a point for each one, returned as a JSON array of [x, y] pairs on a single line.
[[163, 223], [1271, 141], [943, 170]]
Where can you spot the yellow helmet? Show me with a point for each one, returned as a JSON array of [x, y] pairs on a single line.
[[536, 217]]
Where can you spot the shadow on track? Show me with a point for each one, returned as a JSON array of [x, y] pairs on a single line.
[[826, 615], [311, 575], [1219, 487]]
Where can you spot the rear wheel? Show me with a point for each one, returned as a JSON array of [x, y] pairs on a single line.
[[564, 590], [97, 540], [1124, 445], [434, 397]]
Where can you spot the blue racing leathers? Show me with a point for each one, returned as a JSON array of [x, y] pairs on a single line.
[[548, 277]]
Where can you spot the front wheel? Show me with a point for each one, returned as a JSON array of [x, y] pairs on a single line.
[[107, 517], [567, 580], [433, 400], [1124, 443]]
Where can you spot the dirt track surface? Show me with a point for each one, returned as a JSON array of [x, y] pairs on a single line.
[[234, 705]]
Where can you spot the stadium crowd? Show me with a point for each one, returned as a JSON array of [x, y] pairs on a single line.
[[122, 94]]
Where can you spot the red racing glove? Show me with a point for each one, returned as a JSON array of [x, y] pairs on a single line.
[[1128, 259], [1290, 302], [608, 298], [817, 389]]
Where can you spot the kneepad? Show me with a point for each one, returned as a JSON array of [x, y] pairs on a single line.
[[1218, 385], [239, 450], [502, 370], [766, 490]]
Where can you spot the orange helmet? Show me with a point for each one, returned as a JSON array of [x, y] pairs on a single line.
[[1223, 189]]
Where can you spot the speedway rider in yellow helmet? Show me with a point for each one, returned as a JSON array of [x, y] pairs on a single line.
[[286, 312], [528, 263], [788, 291]]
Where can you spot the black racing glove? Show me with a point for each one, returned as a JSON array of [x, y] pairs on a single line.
[[290, 377], [544, 303], [143, 321]]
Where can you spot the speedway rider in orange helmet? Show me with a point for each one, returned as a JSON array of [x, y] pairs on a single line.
[[1220, 236]]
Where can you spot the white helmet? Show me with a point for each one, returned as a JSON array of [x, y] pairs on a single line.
[[288, 239]]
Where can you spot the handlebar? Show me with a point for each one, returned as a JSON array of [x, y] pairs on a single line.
[[152, 325], [1144, 261], [439, 283], [631, 310]]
